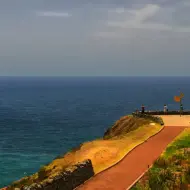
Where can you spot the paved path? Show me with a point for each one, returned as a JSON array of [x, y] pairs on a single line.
[[121, 176], [176, 120]]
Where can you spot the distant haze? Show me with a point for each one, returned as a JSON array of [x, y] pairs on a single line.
[[94, 38]]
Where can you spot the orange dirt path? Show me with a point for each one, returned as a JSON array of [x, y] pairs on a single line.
[[122, 175]]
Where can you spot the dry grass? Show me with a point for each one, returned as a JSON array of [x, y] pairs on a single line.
[[105, 153]]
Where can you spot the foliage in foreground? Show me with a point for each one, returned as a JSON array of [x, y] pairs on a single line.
[[172, 170]]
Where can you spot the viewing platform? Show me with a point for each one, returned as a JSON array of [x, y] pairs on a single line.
[[166, 113], [170, 118]]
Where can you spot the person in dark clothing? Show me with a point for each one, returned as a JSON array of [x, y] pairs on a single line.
[[142, 109], [165, 109], [181, 109]]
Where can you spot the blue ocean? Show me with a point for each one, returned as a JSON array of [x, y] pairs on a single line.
[[43, 117]]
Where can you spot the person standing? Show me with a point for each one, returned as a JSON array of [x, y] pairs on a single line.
[[165, 108], [181, 109], [142, 109]]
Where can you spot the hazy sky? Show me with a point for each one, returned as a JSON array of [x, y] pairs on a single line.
[[94, 37]]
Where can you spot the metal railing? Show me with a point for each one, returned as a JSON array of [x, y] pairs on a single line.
[[166, 113], [152, 117]]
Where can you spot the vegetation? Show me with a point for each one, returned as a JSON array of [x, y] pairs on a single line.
[[124, 126], [42, 174], [172, 170]]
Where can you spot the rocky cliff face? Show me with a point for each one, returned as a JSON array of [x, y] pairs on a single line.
[[67, 180], [124, 125], [127, 124]]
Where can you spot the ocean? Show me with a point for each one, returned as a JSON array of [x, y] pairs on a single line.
[[43, 117]]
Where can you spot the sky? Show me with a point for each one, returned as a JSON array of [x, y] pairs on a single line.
[[94, 38]]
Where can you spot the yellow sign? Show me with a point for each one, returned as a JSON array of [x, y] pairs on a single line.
[[177, 98]]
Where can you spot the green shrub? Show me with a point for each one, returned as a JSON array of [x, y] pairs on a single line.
[[161, 163], [183, 183], [140, 186], [179, 156], [187, 175], [42, 174], [21, 183], [154, 181], [162, 180], [137, 187]]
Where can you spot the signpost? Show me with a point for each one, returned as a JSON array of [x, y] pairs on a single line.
[[179, 99]]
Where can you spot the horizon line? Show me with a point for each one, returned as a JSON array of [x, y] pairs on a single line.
[[53, 76]]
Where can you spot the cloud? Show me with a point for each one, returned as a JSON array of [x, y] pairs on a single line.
[[145, 13], [117, 10], [138, 19], [186, 3], [151, 17], [53, 14], [107, 35]]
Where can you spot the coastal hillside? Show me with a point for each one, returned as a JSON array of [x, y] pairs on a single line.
[[123, 136], [125, 125]]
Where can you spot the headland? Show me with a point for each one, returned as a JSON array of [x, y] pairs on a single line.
[[97, 157]]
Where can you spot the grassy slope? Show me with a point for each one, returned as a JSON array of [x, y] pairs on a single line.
[[172, 169], [126, 133]]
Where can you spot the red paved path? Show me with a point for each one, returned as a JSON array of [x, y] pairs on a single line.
[[121, 176]]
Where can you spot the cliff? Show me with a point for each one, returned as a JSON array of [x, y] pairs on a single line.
[[123, 126], [66, 180]]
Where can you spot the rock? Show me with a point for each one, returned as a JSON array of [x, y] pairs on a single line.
[[34, 186], [66, 180]]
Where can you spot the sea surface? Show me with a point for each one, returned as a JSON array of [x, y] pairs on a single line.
[[41, 117]]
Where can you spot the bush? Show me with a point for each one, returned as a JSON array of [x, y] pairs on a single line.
[[21, 183], [139, 186], [42, 174], [161, 162], [187, 175], [154, 181], [183, 185], [162, 180]]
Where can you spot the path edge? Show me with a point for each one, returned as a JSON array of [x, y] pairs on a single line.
[[128, 188]]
